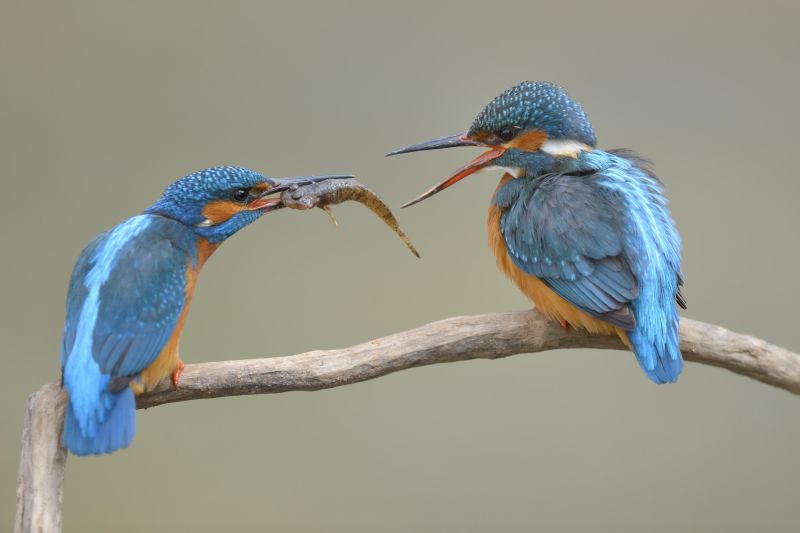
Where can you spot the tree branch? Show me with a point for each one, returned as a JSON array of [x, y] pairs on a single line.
[[492, 336], [42, 462], [459, 339]]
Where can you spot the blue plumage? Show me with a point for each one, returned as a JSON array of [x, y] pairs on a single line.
[[115, 432], [126, 293], [185, 199], [125, 296], [543, 105], [562, 229], [591, 226], [129, 292], [600, 235]]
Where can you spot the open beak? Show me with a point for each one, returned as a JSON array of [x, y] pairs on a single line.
[[459, 139], [268, 202]]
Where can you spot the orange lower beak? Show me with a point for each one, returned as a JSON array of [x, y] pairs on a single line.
[[480, 162], [265, 203]]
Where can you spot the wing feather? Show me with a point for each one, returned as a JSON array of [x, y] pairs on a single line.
[[565, 231], [139, 299]]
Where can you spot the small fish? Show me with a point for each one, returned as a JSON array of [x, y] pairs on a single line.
[[331, 192]]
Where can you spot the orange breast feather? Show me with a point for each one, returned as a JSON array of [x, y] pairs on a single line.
[[545, 299], [167, 361]]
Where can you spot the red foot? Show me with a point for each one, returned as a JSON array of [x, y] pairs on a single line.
[[176, 376], [564, 324]]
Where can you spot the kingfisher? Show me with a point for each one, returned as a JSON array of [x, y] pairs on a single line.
[[586, 234], [130, 291]]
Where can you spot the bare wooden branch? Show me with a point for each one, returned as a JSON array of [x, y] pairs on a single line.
[[42, 461], [41, 471], [459, 339]]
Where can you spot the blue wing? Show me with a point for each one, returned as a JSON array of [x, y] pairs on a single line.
[[125, 296], [139, 306], [602, 237], [76, 295], [565, 230], [138, 299]]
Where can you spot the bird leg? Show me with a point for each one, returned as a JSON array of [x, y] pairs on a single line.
[[176, 375], [564, 324]]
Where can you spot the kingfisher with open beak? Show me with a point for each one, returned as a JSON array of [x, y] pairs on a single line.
[[584, 233], [130, 291]]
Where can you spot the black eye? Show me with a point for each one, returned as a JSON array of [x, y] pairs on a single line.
[[240, 195], [506, 134]]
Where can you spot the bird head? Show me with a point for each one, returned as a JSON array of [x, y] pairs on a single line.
[[526, 129], [217, 202]]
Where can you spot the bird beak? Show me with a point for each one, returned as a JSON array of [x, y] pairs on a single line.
[[268, 202], [459, 139]]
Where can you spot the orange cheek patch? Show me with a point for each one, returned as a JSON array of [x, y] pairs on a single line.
[[220, 211], [528, 141]]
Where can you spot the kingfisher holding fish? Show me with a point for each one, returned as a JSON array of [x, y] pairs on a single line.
[[131, 287], [584, 233]]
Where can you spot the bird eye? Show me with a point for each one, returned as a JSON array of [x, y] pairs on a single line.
[[506, 134], [240, 195]]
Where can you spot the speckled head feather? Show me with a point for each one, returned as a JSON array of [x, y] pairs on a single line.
[[536, 105], [185, 199], [209, 184]]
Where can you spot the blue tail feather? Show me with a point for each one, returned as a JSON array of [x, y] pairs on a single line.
[[115, 432], [660, 359]]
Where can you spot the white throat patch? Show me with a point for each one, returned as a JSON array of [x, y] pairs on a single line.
[[564, 147], [514, 171]]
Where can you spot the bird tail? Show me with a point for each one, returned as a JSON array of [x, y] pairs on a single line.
[[115, 432], [655, 343]]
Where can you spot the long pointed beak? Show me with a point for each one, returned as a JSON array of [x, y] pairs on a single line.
[[268, 202], [459, 139], [480, 162]]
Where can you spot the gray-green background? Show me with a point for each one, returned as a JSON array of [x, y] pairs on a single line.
[[103, 104]]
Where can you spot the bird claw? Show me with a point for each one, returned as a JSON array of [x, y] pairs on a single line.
[[564, 324], [176, 375]]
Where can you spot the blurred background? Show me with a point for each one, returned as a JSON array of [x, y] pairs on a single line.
[[102, 104]]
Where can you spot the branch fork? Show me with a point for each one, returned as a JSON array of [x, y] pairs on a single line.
[[43, 458]]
